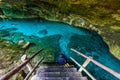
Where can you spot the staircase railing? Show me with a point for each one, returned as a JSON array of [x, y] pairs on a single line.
[[114, 73], [89, 74], [19, 67], [36, 65]]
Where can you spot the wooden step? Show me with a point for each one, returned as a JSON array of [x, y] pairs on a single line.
[[58, 66], [56, 69], [59, 74], [58, 78]]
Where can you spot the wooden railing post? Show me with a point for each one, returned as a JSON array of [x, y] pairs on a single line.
[[114, 73], [89, 74], [18, 68], [23, 59], [84, 64], [36, 65]]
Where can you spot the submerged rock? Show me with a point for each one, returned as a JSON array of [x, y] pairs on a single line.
[[44, 32]]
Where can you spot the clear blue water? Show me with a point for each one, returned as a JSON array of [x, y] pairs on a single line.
[[64, 37]]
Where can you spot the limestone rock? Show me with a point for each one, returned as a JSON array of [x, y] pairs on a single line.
[[26, 45], [21, 42]]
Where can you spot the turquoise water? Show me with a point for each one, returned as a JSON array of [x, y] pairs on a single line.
[[63, 36]]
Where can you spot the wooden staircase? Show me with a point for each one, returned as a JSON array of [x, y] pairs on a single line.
[[58, 72], [53, 71]]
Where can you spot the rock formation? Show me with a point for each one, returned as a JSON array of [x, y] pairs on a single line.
[[104, 15]]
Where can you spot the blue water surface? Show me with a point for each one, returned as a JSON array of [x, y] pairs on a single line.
[[85, 41]]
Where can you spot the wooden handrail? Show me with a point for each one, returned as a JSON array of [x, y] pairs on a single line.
[[36, 65], [84, 64], [83, 69], [114, 73], [18, 68]]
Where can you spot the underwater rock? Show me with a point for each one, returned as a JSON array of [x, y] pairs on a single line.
[[4, 33], [16, 37], [51, 47], [50, 41], [9, 29], [44, 32]]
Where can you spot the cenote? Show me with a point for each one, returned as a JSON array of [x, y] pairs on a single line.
[[61, 37]]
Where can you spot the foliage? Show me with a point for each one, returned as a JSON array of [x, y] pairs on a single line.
[[115, 50]]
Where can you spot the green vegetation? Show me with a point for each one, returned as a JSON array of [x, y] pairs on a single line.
[[115, 49], [10, 54]]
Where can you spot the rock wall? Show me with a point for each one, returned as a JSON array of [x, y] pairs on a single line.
[[102, 16]]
